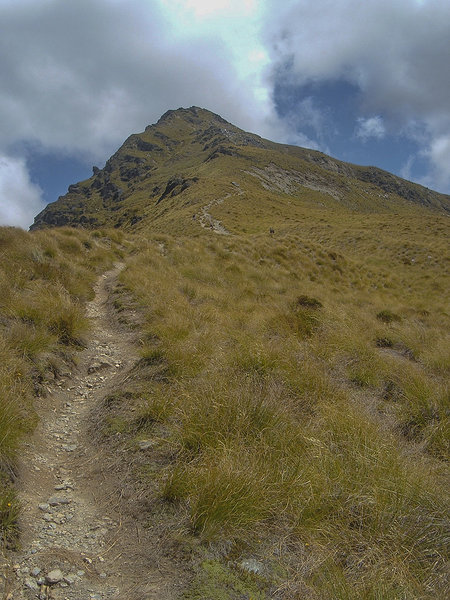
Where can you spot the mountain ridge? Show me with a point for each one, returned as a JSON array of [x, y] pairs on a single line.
[[194, 147]]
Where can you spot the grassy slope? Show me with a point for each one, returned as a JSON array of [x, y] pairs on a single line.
[[45, 278], [297, 387]]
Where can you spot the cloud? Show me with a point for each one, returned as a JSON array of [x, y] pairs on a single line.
[[20, 199], [372, 127], [396, 53], [406, 169], [81, 76], [438, 153], [305, 116]]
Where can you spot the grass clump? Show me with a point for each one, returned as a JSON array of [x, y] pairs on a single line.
[[387, 316], [218, 582], [308, 302]]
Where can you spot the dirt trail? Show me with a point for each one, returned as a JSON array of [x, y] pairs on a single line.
[[207, 221], [73, 532]]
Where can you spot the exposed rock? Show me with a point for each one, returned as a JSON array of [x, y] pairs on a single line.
[[176, 185], [55, 500], [54, 576], [30, 583]]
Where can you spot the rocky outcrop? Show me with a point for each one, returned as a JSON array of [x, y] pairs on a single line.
[[176, 185]]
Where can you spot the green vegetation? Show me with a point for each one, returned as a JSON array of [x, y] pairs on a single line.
[[217, 582], [45, 279]]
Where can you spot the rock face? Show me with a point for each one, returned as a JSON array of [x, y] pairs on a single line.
[[192, 150]]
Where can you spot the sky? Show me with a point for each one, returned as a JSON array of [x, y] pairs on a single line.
[[366, 81]]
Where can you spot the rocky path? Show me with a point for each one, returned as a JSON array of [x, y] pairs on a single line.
[[207, 221], [73, 543]]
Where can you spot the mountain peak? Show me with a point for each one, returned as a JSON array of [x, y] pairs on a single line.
[[193, 114], [160, 177]]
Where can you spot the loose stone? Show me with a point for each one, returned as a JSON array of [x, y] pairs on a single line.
[[54, 576], [55, 500], [145, 444], [252, 566], [30, 583], [70, 448]]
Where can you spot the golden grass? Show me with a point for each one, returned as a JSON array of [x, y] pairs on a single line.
[[295, 411]]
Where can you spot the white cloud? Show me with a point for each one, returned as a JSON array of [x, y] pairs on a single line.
[[395, 51], [438, 153], [204, 9], [372, 127], [406, 170], [81, 76], [20, 199]]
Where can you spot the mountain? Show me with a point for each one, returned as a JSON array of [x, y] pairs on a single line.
[[192, 159], [265, 413]]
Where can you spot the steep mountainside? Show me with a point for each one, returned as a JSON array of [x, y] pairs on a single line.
[[192, 155]]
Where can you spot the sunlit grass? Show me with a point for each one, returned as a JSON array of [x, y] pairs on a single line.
[[303, 398]]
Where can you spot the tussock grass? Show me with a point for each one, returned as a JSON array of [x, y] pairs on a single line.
[[301, 402], [45, 278]]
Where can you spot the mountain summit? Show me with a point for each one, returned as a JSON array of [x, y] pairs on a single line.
[[192, 158]]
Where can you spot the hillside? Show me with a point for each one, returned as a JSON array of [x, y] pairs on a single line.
[[240, 385], [160, 178]]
